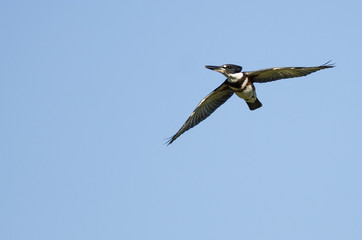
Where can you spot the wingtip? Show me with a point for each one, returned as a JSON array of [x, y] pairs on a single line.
[[169, 141], [329, 64]]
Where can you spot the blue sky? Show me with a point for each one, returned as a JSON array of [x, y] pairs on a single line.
[[90, 90]]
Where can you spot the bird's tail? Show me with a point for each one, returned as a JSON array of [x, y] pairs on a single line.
[[256, 104]]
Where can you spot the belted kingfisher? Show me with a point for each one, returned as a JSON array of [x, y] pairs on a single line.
[[242, 84]]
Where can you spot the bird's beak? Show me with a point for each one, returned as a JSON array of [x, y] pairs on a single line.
[[215, 68]]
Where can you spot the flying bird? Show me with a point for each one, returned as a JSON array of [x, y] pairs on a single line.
[[242, 84]]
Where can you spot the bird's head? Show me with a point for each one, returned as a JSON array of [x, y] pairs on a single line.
[[226, 69]]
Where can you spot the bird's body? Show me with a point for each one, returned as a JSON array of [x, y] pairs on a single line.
[[242, 84], [243, 88]]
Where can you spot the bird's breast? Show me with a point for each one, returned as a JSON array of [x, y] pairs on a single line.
[[243, 88], [246, 93], [239, 85]]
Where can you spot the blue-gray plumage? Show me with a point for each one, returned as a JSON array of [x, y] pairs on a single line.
[[240, 83]]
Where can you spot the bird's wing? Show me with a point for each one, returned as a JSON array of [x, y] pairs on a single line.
[[207, 106], [273, 74]]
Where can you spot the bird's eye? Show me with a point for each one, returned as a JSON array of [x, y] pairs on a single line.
[[228, 67]]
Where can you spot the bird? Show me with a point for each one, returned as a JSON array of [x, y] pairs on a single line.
[[242, 84]]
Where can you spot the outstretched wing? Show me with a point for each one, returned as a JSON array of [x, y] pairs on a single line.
[[273, 74], [207, 106]]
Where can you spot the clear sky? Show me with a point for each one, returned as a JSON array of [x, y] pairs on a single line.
[[90, 90]]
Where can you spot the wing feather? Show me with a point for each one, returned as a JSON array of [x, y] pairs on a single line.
[[205, 108], [273, 74]]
